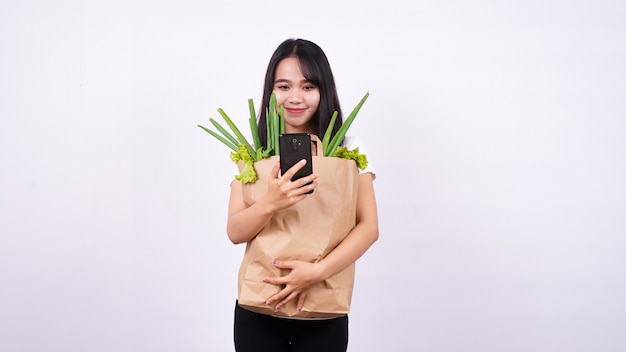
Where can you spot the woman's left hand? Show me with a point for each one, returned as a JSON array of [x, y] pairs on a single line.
[[301, 277]]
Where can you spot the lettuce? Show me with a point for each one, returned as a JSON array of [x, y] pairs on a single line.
[[360, 159]]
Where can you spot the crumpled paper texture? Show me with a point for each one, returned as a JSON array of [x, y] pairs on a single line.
[[307, 231]]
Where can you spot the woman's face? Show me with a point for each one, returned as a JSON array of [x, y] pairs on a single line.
[[299, 97]]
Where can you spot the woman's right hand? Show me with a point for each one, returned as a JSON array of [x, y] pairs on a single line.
[[282, 192], [245, 222]]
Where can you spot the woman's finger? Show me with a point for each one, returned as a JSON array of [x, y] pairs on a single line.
[[307, 183], [275, 170], [291, 296], [279, 297], [301, 299], [275, 280], [292, 170]]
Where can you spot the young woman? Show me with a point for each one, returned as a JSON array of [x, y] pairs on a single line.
[[300, 76]]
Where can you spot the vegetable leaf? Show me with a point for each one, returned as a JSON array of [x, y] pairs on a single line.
[[248, 174], [253, 126], [329, 131], [233, 127], [220, 138], [360, 159], [336, 141]]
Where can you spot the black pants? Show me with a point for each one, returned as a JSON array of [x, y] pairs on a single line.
[[256, 332]]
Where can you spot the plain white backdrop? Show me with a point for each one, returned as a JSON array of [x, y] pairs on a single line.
[[497, 130]]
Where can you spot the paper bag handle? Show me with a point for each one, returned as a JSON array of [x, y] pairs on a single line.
[[319, 148]]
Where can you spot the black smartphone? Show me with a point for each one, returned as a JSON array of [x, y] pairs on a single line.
[[293, 148]]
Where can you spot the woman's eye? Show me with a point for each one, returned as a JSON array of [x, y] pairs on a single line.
[[282, 87], [309, 87]]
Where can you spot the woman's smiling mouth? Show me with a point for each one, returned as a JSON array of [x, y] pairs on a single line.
[[295, 111]]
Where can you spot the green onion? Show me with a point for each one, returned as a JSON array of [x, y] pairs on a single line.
[[225, 133], [341, 133], [240, 136], [282, 119], [220, 138], [271, 119], [329, 131], [268, 127], [253, 127], [276, 133]]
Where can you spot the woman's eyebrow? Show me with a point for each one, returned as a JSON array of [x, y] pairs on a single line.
[[285, 80]]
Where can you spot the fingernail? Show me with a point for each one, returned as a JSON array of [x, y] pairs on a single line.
[[299, 309], [268, 303], [277, 308], [275, 262], [303, 161], [264, 280]]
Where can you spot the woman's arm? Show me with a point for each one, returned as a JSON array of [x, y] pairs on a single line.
[[244, 222], [303, 274], [364, 234]]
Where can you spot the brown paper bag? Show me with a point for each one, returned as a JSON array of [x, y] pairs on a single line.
[[307, 231]]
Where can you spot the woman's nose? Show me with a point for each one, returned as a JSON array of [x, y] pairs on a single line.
[[295, 97]]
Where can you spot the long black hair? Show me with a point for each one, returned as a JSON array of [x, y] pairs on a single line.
[[316, 69]]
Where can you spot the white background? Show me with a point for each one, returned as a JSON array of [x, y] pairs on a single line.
[[497, 130]]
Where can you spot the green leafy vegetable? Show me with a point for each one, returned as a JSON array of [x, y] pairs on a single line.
[[242, 154], [341, 133], [240, 137], [360, 159], [253, 126], [242, 150], [247, 174], [220, 138], [329, 131], [223, 131]]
